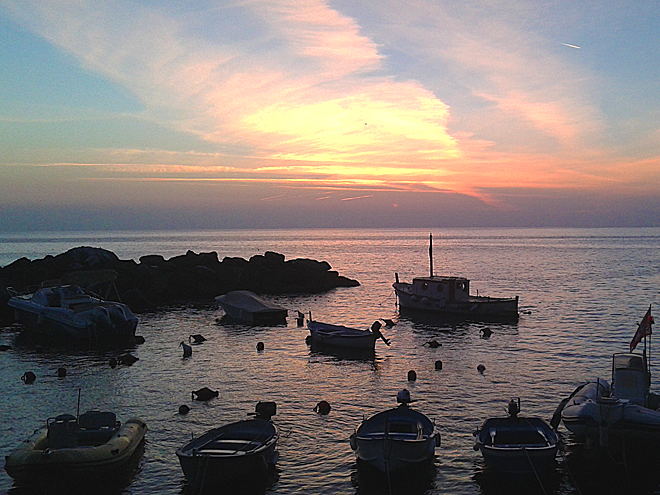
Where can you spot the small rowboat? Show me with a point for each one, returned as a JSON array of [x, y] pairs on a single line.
[[237, 450], [325, 334], [71, 448], [397, 439], [517, 445]]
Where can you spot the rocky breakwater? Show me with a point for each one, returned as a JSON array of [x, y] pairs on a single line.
[[155, 281]]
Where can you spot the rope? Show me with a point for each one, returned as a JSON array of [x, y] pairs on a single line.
[[570, 473], [535, 473]]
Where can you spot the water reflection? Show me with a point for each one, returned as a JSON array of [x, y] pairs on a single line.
[[244, 486], [417, 480], [492, 482]]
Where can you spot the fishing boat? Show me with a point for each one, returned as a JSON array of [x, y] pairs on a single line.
[[326, 334], [244, 449], [246, 307], [396, 439], [69, 314], [450, 296], [624, 411], [73, 449], [517, 445]]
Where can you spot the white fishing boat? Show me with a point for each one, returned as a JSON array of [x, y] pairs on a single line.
[[624, 411], [396, 439], [74, 449], [244, 306], [326, 334], [517, 445], [68, 314], [240, 450], [450, 296]]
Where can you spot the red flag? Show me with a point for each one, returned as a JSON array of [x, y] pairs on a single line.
[[643, 330]]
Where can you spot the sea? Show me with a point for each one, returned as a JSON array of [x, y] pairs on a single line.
[[582, 294]]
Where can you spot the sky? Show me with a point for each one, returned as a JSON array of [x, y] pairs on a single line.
[[164, 114]]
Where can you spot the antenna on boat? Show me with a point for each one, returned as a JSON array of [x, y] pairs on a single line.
[[78, 409], [431, 254]]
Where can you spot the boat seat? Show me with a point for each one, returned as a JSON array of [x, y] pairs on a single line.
[[97, 427], [62, 432], [630, 384]]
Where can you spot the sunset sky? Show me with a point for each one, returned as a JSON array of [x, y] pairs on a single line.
[[351, 113]]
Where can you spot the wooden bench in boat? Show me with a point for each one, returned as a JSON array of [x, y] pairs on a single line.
[[228, 447]]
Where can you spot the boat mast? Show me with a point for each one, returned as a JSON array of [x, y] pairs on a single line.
[[431, 254]]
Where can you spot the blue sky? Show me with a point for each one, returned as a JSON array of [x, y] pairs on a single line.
[[333, 114]]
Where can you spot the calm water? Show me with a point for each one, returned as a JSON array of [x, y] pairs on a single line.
[[581, 291]]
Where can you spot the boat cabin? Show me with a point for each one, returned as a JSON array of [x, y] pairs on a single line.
[[631, 378], [449, 288]]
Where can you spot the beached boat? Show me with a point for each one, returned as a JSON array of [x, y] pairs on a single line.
[[450, 297], [625, 411], [75, 449], [325, 334], [244, 449], [68, 314], [517, 445], [396, 439], [246, 307]]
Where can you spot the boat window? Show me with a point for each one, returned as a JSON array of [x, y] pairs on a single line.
[[425, 286]]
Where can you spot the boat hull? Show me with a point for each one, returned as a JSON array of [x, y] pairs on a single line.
[[395, 440], [327, 335], [477, 308], [593, 415], [517, 446], [32, 462], [235, 451]]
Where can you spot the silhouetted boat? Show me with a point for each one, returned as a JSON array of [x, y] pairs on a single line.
[[325, 334], [246, 307], [73, 449], [450, 296], [396, 439], [517, 445], [68, 314], [237, 450]]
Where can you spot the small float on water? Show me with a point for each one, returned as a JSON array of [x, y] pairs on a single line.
[[450, 297], [75, 449], [625, 410], [517, 445], [396, 439], [237, 450], [244, 306], [339, 336]]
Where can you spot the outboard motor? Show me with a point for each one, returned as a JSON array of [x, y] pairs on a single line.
[[265, 410], [514, 408], [403, 397]]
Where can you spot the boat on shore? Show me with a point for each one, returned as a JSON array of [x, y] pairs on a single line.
[[72, 450], [450, 297], [339, 336], [71, 315], [244, 306], [517, 445], [241, 450], [397, 439], [623, 412]]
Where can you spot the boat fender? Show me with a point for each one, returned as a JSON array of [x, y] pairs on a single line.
[[437, 439], [352, 441], [323, 408]]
